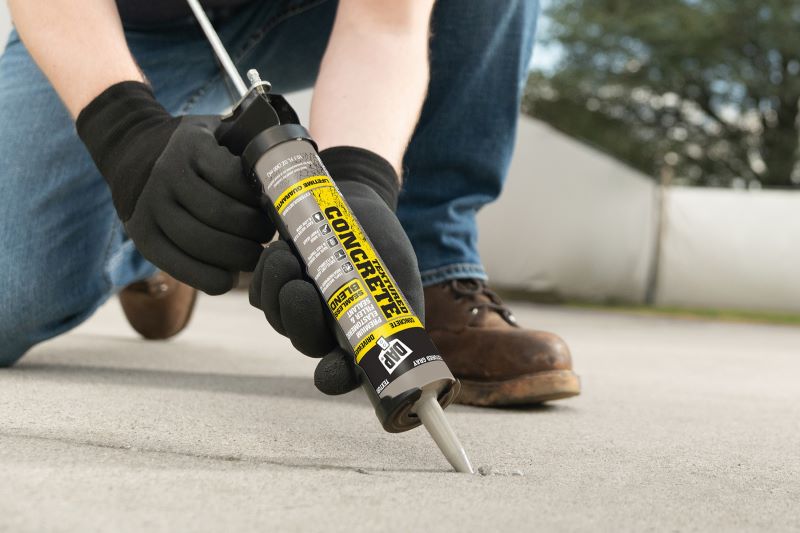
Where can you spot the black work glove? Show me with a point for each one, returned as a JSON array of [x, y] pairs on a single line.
[[181, 196], [294, 306]]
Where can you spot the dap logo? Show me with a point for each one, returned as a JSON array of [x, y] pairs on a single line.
[[392, 353]]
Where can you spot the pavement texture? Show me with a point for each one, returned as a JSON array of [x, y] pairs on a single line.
[[682, 426]]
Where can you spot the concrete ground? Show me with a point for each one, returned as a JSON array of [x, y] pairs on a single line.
[[683, 425]]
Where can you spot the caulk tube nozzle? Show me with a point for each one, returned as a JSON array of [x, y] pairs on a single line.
[[432, 416]]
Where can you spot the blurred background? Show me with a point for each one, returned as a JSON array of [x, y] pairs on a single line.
[[657, 160]]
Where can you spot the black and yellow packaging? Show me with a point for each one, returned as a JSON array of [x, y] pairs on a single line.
[[403, 374], [371, 314]]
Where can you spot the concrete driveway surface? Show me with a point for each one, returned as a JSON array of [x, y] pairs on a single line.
[[683, 426]]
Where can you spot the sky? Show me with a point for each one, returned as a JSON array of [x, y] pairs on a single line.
[[544, 56]]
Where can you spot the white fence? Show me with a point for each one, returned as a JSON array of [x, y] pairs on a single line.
[[577, 223], [569, 221], [728, 248]]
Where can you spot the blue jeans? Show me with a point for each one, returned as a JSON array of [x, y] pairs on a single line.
[[63, 251]]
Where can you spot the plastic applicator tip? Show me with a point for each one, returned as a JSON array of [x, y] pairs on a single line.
[[432, 416]]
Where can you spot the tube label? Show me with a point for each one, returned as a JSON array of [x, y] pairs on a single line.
[[386, 337]]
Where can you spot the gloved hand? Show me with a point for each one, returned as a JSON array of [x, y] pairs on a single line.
[[182, 197], [294, 307]]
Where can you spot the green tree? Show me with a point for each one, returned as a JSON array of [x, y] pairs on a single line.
[[708, 87]]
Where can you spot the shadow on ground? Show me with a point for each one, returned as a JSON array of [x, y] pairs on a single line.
[[249, 385], [282, 386], [81, 367]]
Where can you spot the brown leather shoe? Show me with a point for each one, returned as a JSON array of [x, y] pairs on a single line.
[[498, 362], [159, 307]]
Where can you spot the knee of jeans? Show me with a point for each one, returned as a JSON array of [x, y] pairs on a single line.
[[8, 358], [15, 334], [20, 320], [33, 312]]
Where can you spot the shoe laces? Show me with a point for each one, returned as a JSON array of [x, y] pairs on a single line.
[[474, 289]]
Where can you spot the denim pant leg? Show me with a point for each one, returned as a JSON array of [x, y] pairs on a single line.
[[62, 249], [460, 152]]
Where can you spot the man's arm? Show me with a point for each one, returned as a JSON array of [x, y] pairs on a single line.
[[368, 95], [181, 196], [374, 76], [78, 44], [371, 86]]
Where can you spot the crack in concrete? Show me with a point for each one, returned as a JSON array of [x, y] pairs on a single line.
[[209, 456]]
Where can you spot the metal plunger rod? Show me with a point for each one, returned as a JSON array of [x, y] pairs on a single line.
[[427, 408], [219, 48]]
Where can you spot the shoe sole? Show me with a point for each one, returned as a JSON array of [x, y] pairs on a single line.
[[529, 389]]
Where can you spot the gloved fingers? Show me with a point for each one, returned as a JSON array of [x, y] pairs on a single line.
[[255, 284], [207, 244], [254, 291], [390, 241], [303, 316], [336, 373], [276, 267], [402, 264], [165, 255], [218, 210], [223, 170]]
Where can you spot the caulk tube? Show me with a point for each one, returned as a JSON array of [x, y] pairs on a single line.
[[403, 373], [394, 354]]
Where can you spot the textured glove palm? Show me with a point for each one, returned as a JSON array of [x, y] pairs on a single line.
[[293, 305], [182, 197]]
